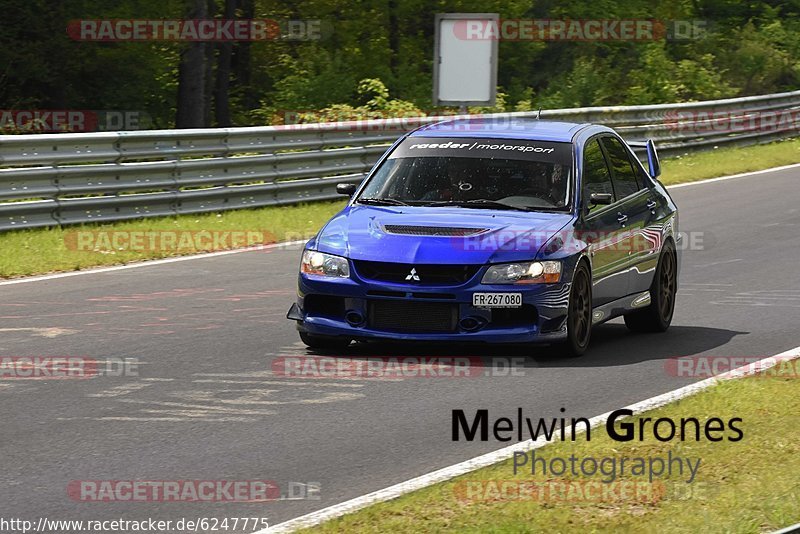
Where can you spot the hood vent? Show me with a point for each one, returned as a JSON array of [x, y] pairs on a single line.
[[446, 231]]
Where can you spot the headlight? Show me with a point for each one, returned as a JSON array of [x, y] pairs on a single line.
[[535, 272], [323, 264]]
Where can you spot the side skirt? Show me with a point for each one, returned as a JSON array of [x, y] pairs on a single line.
[[618, 307]]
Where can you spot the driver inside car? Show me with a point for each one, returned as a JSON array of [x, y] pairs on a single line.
[[463, 182]]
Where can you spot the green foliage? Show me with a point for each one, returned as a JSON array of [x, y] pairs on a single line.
[[375, 48], [375, 104], [760, 58], [662, 80], [42, 68], [500, 105], [587, 84], [655, 81]]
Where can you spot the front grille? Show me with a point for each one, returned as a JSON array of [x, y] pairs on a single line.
[[405, 316], [380, 293], [428, 274], [447, 231]]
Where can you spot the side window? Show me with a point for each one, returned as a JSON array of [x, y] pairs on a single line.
[[596, 178], [644, 178], [626, 180]]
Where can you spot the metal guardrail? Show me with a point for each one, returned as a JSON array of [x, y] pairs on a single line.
[[58, 179]]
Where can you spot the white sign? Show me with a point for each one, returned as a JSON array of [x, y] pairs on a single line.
[[464, 61]]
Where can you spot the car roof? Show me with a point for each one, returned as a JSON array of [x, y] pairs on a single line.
[[503, 128]]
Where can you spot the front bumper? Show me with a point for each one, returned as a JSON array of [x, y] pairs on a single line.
[[347, 306]]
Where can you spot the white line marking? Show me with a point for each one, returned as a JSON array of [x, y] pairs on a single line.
[[148, 263], [719, 262], [755, 304], [788, 530], [118, 391], [745, 296], [685, 289], [52, 331], [485, 460], [298, 383]]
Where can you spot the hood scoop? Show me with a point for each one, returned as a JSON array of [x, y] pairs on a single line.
[[445, 231]]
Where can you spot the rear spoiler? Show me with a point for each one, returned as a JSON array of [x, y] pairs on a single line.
[[653, 164]]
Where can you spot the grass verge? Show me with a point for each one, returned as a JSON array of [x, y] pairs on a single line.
[[726, 161], [745, 486], [45, 250]]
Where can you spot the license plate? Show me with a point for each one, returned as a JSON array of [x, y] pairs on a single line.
[[496, 300]]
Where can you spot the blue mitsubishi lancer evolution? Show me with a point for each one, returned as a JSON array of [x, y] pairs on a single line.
[[472, 230]]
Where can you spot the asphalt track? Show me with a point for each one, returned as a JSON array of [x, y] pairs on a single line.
[[207, 406]]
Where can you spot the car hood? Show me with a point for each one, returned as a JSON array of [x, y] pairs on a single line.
[[360, 233]]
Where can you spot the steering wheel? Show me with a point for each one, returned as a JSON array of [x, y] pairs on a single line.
[[538, 193]]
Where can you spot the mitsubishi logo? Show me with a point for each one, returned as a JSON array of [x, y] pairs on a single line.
[[413, 275]]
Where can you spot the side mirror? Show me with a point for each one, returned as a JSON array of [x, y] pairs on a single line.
[[346, 189], [601, 198], [654, 166]]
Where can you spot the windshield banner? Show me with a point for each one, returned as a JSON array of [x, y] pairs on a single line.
[[522, 149]]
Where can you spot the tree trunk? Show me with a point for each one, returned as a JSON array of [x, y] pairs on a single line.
[[241, 65], [222, 90], [210, 51], [394, 42], [191, 111]]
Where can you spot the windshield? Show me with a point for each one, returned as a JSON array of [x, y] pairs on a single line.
[[491, 173]]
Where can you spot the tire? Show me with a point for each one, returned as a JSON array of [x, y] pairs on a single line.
[[658, 315], [579, 314], [324, 342]]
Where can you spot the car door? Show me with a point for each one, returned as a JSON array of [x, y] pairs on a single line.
[[602, 228], [637, 203]]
